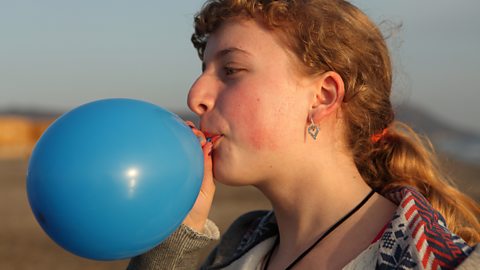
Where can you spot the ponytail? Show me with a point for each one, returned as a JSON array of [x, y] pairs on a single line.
[[403, 158]]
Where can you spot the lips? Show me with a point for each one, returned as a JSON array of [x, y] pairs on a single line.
[[212, 137]]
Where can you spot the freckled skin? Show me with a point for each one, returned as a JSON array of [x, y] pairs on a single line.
[[257, 134], [260, 109]]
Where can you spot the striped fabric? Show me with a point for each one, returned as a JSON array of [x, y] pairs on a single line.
[[417, 236]]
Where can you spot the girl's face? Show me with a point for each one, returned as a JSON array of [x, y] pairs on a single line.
[[251, 94]]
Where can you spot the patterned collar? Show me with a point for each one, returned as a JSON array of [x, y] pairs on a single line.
[[415, 238]]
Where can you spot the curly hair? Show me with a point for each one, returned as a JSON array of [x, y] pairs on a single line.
[[334, 35]]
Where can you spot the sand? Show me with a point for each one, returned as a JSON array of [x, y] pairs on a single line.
[[24, 245]]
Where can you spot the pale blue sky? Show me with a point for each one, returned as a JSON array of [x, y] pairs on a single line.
[[58, 54]]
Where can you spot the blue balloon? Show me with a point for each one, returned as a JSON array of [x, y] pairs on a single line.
[[113, 178]]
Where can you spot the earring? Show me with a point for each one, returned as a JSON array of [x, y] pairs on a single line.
[[313, 129]]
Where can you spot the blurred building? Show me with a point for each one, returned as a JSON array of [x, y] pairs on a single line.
[[19, 134]]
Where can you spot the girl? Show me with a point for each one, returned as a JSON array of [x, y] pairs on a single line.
[[294, 99]]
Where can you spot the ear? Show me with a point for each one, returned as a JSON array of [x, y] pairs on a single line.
[[328, 96]]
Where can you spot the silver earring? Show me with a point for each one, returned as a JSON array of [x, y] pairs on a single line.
[[313, 129]]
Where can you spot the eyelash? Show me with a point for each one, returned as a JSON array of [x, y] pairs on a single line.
[[230, 71]]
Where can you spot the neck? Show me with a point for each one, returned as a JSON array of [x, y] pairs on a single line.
[[307, 204]]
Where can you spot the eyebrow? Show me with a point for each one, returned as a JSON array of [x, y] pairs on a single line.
[[226, 51], [229, 51]]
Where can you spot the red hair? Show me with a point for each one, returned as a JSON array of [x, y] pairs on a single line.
[[334, 35]]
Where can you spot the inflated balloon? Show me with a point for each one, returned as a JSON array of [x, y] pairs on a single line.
[[113, 178]]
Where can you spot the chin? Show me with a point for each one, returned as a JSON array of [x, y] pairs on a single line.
[[229, 178]]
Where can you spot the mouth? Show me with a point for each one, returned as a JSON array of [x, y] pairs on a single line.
[[213, 138]]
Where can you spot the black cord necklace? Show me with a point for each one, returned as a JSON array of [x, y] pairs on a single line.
[[330, 230]]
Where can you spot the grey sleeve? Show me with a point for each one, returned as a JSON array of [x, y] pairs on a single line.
[[179, 251]]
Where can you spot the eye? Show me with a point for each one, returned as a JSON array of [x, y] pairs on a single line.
[[229, 71]]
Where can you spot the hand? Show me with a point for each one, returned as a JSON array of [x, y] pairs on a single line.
[[198, 215]]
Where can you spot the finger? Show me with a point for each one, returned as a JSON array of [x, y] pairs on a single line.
[[190, 124], [208, 185], [201, 137]]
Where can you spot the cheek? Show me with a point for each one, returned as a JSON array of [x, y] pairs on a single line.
[[255, 125], [260, 138]]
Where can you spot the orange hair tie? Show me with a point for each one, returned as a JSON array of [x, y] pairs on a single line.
[[377, 137]]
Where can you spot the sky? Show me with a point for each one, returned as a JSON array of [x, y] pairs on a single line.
[[59, 54]]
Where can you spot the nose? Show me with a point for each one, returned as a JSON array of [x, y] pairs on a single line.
[[201, 97]]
